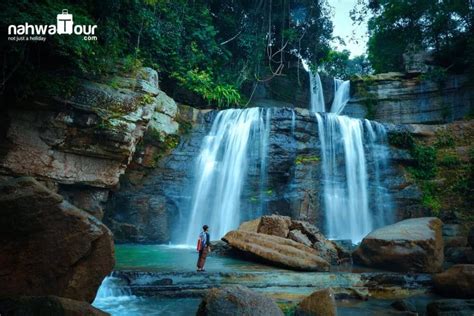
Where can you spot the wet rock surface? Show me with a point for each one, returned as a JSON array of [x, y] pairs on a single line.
[[50, 247], [410, 245], [450, 307], [237, 300], [277, 250], [47, 305], [301, 232], [457, 281], [359, 286], [321, 303]]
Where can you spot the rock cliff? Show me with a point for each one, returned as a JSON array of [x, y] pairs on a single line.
[[398, 98], [73, 148], [154, 202], [79, 145]]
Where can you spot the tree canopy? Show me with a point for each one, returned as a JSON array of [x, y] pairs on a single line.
[[443, 27], [211, 49]]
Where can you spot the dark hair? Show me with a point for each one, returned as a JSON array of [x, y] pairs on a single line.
[[205, 227]]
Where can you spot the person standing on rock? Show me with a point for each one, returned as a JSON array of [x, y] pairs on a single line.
[[203, 247]]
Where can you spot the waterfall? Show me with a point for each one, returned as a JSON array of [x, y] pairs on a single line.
[[342, 91], [354, 203], [317, 103], [221, 169], [110, 289], [345, 189], [353, 208], [264, 130], [382, 206]]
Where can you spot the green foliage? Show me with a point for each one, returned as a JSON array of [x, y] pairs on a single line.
[[288, 309], [430, 199], [208, 49], [368, 99], [465, 182], [201, 82], [449, 160], [436, 74], [425, 161], [147, 99], [340, 65], [401, 140], [444, 139], [445, 27], [303, 159], [185, 127]]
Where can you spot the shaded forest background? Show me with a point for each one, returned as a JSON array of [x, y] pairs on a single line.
[[218, 50]]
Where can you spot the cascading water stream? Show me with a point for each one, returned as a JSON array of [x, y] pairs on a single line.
[[355, 201], [222, 168], [342, 91], [345, 187], [114, 297], [317, 103]]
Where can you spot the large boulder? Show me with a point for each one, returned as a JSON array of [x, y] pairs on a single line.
[[327, 249], [49, 247], [237, 300], [450, 308], [410, 245], [250, 226], [298, 236], [319, 303], [275, 225], [47, 305], [300, 231], [277, 250], [457, 281]]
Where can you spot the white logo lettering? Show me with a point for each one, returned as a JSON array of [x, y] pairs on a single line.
[[64, 25]]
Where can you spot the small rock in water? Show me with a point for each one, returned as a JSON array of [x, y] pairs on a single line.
[[319, 303], [237, 300]]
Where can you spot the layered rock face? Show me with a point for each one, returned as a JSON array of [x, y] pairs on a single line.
[[76, 146], [80, 144], [87, 138], [396, 98], [237, 300], [50, 247], [411, 245], [161, 195]]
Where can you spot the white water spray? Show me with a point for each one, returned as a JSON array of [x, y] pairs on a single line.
[[352, 207], [222, 168], [342, 91], [317, 96]]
